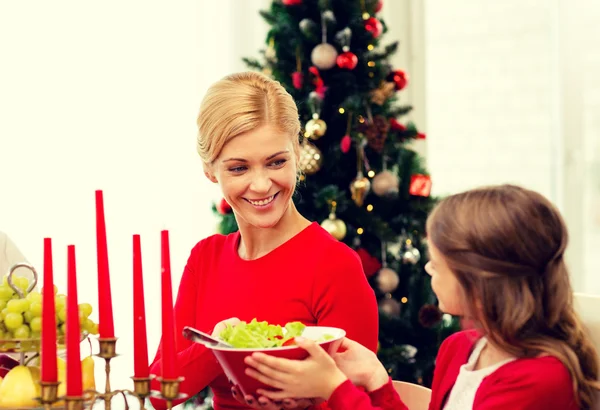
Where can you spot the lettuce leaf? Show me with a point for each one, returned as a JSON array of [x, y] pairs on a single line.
[[257, 334]]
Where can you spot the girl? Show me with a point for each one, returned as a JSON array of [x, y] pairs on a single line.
[[279, 266], [497, 259]]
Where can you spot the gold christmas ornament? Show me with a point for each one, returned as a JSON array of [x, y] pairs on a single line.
[[336, 227], [381, 94], [387, 280], [385, 183], [359, 188], [315, 128], [310, 158]]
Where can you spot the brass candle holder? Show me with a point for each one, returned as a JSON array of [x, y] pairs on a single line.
[[169, 391], [74, 403], [48, 394]]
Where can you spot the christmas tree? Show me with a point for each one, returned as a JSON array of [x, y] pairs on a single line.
[[360, 177]]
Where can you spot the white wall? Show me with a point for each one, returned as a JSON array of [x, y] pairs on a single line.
[[105, 96], [512, 96]]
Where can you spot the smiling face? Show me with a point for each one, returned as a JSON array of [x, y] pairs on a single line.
[[257, 174]]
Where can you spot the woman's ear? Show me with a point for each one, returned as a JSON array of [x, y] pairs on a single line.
[[209, 174]]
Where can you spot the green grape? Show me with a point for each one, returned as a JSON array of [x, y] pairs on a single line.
[[34, 297], [28, 316], [21, 282], [17, 305], [2, 304], [85, 309], [5, 292], [4, 312], [62, 315], [60, 301], [63, 328], [22, 332], [36, 324], [94, 329], [12, 320], [36, 309]]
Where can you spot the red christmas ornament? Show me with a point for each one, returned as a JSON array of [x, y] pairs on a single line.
[[373, 26], [420, 185], [400, 79], [291, 2], [421, 136], [297, 79], [396, 126], [223, 207], [371, 264], [345, 144], [347, 60], [378, 6]]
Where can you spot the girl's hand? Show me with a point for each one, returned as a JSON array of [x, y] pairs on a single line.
[[264, 403], [315, 376], [360, 365]]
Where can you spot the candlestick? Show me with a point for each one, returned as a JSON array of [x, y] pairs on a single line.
[[48, 394], [106, 325], [169, 391], [49, 372], [168, 361], [141, 368], [73, 335]]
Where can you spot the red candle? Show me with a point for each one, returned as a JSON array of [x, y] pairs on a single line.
[[48, 354], [74, 381], [105, 325], [168, 355], [140, 359]]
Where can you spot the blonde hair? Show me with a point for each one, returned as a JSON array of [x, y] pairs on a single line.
[[505, 245], [240, 103]]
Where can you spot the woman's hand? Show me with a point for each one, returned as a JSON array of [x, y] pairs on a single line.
[[316, 376], [360, 365], [222, 325], [264, 403]]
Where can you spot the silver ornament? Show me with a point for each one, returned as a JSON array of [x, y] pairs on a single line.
[[411, 255], [324, 56], [390, 307], [385, 183], [387, 280], [306, 26]]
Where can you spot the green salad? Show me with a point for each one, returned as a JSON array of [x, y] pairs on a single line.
[[257, 334]]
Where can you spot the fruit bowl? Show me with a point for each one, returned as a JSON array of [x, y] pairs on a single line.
[[21, 313], [231, 359]]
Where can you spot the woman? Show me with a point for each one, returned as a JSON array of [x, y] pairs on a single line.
[[497, 258], [278, 266]]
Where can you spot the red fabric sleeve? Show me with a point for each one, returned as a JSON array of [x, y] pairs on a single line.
[[347, 396], [195, 362], [532, 384], [342, 297]]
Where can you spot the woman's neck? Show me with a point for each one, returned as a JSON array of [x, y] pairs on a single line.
[[257, 242]]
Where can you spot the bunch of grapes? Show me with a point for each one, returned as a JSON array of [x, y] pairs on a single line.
[[21, 318]]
